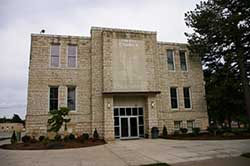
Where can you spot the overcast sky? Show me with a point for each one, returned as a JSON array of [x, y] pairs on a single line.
[[20, 18]]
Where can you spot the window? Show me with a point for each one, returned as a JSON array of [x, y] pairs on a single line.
[[190, 125], [53, 98], [187, 99], [71, 101], [174, 98], [72, 53], [55, 51], [177, 125], [170, 59], [183, 61]]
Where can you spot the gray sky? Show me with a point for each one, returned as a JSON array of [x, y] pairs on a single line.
[[20, 18]]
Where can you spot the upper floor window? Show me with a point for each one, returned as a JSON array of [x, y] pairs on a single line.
[[71, 98], [174, 98], [55, 52], [187, 98], [72, 54], [170, 59], [53, 98], [183, 61]]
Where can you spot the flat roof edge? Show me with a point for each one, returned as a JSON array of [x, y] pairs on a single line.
[[64, 36], [123, 30]]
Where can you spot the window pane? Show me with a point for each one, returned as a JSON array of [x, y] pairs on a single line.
[[141, 130], [55, 61], [71, 98], [140, 111], [186, 94], [170, 58], [72, 50], [71, 61], [53, 101], [134, 111], [140, 120], [117, 132], [116, 121], [55, 50], [128, 111], [173, 95], [116, 113], [183, 61], [122, 111]]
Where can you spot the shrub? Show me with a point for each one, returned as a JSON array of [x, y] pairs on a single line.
[[183, 130], [66, 138], [71, 136], [213, 130], [13, 138], [96, 135], [41, 138], [26, 139], [85, 136], [33, 140], [196, 131], [45, 141], [58, 138], [176, 132], [164, 131]]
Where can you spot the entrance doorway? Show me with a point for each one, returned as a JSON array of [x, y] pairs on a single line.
[[128, 122]]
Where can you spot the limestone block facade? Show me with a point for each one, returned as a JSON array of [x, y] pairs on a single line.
[[125, 82]]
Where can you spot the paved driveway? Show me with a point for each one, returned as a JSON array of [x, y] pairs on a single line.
[[132, 152]]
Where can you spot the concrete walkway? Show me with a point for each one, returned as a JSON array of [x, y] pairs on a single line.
[[132, 152]]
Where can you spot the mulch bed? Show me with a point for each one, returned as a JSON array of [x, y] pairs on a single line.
[[52, 145], [207, 137]]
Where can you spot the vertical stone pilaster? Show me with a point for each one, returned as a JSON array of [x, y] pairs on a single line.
[[108, 119], [152, 113]]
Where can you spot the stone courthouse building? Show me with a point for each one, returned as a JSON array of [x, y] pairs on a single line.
[[120, 82]]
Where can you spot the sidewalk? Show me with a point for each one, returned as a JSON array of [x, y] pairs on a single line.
[[231, 161]]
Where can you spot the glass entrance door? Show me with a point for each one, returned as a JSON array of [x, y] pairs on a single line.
[[124, 127], [133, 127]]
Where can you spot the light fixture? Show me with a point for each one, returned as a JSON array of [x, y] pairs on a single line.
[[152, 104], [109, 105]]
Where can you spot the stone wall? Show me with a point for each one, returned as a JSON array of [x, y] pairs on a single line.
[[192, 78], [41, 76]]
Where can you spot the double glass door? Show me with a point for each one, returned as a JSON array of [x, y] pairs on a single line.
[[129, 127]]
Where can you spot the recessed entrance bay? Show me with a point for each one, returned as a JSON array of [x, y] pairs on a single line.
[[128, 122]]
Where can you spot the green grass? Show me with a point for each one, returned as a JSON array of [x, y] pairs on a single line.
[[157, 164], [245, 155]]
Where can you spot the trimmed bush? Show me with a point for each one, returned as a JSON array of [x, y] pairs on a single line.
[[26, 139], [213, 130], [183, 130], [45, 141], [196, 131], [176, 132], [71, 136], [58, 138], [41, 138], [66, 138], [96, 135], [85, 136], [164, 131], [33, 140], [13, 139]]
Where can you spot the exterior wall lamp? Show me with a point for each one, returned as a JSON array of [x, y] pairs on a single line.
[[109, 105], [152, 104]]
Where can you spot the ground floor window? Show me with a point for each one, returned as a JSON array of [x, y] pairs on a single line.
[[190, 125], [53, 98], [128, 122], [177, 125]]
